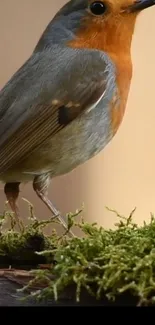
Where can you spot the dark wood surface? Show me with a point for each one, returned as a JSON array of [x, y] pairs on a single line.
[[12, 279], [10, 297]]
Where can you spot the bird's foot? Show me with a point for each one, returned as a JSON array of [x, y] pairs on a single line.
[[40, 186], [16, 213], [54, 211], [12, 191]]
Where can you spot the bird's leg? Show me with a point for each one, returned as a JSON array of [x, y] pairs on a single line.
[[11, 191], [40, 186]]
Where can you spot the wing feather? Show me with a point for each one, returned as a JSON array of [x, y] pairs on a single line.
[[30, 102]]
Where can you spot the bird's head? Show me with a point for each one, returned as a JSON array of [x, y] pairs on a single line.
[[102, 24]]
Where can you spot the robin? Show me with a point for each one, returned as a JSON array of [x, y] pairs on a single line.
[[67, 101]]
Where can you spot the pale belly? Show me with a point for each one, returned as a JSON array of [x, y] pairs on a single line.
[[71, 147]]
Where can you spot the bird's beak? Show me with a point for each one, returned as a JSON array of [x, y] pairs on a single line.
[[140, 5]]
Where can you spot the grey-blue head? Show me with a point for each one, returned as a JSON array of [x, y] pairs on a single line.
[[64, 24]]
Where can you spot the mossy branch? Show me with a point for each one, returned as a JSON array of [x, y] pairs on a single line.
[[106, 263]]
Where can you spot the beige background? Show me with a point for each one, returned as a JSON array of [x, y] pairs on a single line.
[[121, 177]]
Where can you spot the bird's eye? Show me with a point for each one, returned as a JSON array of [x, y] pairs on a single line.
[[97, 8]]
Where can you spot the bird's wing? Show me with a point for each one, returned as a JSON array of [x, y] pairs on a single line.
[[49, 91]]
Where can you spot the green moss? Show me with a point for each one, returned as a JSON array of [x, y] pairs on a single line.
[[18, 247], [106, 263]]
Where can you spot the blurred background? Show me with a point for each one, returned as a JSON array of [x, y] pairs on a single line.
[[121, 177]]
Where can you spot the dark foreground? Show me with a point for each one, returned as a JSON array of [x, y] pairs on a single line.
[[10, 297]]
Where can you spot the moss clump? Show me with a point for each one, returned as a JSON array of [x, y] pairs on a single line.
[[18, 248], [106, 263]]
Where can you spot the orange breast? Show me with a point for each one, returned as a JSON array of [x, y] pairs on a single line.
[[118, 49], [123, 78]]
